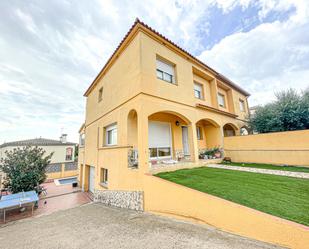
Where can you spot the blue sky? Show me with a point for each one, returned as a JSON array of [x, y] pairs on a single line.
[[50, 51]]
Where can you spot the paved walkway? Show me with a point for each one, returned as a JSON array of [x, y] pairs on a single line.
[[54, 190], [262, 171], [57, 198], [94, 226]]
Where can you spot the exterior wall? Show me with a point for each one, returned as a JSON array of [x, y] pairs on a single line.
[[58, 156], [186, 73], [236, 97], [207, 100], [170, 199], [80, 164], [291, 148], [115, 158], [131, 84], [120, 83], [226, 99]]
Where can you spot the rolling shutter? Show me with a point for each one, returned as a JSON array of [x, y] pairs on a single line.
[[159, 134]]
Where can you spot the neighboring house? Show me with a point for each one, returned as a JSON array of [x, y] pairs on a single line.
[[63, 151], [153, 104]]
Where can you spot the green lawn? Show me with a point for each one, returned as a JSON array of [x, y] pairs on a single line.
[[270, 166], [281, 196]]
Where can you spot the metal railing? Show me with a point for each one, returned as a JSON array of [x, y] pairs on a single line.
[[132, 158]]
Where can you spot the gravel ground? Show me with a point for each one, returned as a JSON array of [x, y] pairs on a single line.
[[97, 226], [262, 171]]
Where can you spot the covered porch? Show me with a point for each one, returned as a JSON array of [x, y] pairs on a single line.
[[210, 139], [170, 139], [174, 142]]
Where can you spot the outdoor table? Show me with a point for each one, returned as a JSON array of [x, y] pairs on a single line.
[[18, 200]]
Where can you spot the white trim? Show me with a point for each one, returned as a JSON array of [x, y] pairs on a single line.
[[114, 130], [221, 96], [165, 68], [188, 143]]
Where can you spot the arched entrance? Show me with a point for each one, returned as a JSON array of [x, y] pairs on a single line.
[[132, 128], [208, 134], [169, 137], [244, 131], [229, 130]]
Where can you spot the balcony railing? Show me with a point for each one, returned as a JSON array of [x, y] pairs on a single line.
[[133, 158]]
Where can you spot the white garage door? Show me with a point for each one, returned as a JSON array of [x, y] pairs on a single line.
[[159, 139], [91, 179]]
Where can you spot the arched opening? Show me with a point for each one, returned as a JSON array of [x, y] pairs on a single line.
[[208, 136], [244, 131], [229, 130], [132, 129], [169, 137]]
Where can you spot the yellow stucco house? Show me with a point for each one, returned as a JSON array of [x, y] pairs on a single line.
[[153, 105]]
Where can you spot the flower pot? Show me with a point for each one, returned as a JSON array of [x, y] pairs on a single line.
[[218, 154]]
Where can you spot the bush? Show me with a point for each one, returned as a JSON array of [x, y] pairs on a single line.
[[24, 168], [289, 112], [211, 153]]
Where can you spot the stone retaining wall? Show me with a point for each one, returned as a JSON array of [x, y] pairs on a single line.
[[123, 199]]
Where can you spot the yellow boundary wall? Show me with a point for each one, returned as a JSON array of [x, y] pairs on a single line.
[[290, 147], [169, 198]]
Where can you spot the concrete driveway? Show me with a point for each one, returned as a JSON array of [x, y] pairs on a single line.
[[97, 226]]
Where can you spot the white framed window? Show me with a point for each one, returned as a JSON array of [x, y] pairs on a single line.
[[69, 154], [159, 139], [221, 100], [165, 71], [198, 91], [242, 105], [82, 140], [199, 133], [104, 176], [111, 135], [100, 97]]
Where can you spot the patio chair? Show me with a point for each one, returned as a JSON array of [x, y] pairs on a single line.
[[41, 189], [44, 190]]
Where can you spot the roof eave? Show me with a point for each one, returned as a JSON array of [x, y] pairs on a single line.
[[130, 33]]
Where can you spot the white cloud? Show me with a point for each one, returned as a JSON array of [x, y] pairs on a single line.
[[51, 51], [268, 58]]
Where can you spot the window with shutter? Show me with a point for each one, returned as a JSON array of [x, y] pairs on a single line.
[[165, 71]]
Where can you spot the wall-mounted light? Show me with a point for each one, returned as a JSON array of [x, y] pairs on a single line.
[[177, 123]]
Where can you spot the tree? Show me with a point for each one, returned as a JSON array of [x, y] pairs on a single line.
[[290, 111], [24, 168], [76, 152]]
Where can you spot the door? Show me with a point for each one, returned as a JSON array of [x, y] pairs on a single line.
[[185, 141], [91, 179]]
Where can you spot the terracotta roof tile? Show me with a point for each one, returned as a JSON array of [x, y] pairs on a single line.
[[35, 142]]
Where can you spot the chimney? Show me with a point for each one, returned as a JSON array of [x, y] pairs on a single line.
[[63, 138]]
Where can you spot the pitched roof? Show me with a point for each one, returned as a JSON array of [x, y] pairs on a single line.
[[145, 26], [36, 142]]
